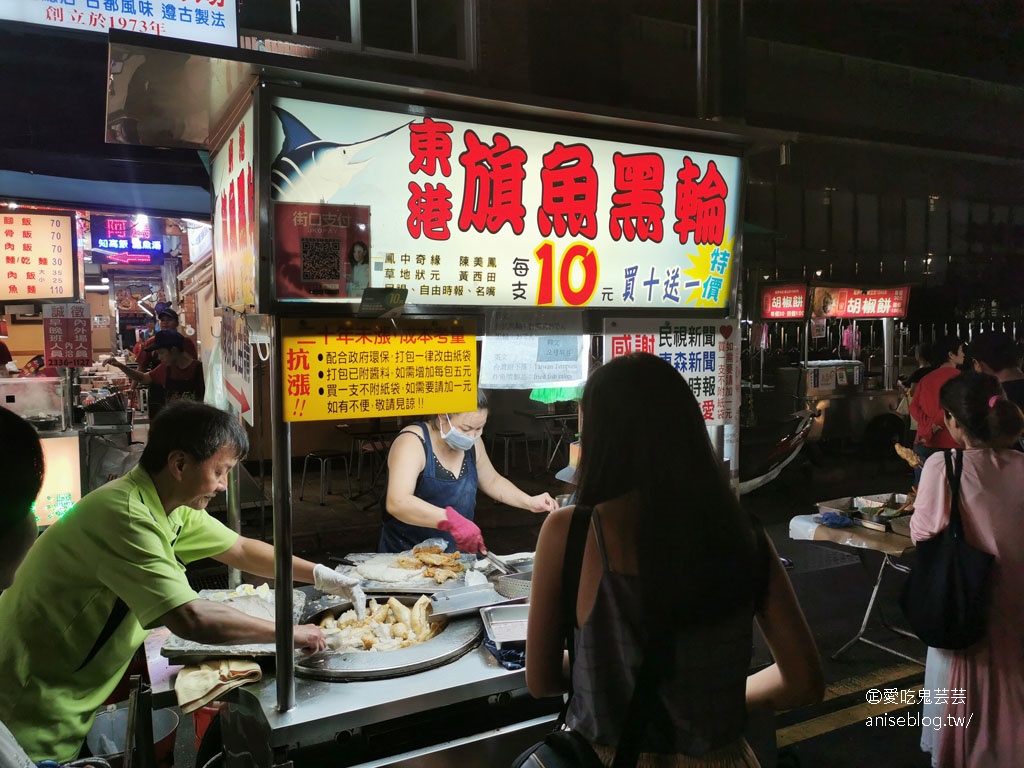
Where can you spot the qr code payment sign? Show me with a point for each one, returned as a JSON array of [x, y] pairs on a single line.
[[321, 259]]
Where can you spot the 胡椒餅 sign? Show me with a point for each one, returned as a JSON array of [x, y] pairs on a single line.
[[784, 302], [857, 303], [470, 214]]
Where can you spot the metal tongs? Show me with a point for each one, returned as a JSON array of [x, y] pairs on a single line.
[[500, 564]]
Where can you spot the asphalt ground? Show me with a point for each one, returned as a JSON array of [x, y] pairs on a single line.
[[833, 584]]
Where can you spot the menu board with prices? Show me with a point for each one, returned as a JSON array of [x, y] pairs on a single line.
[[705, 352], [371, 368], [67, 335], [38, 256], [858, 303], [783, 302]]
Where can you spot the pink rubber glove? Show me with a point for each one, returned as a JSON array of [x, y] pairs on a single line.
[[465, 532]]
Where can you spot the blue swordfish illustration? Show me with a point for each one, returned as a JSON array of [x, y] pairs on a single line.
[[310, 169]]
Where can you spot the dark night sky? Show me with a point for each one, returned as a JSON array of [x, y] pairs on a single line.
[[52, 86], [974, 38]]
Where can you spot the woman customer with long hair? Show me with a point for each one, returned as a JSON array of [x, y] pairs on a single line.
[[986, 681], [668, 552]]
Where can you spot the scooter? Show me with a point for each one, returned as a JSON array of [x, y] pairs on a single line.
[[766, 450]]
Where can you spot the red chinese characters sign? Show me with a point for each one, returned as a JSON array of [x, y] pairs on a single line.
[[67, 335], [859, 303], [38, 256], [473, 214], [234, 219], [783, 302]]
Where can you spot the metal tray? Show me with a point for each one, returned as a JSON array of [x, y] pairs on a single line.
[[505, 625], [179, 650], [860, 509], [418, 585], [465, 601]]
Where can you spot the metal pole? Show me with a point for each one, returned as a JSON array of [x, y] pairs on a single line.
[[763, 342], [235, 516], [888, 325], [704, 17], [281, 437], [902, 351]]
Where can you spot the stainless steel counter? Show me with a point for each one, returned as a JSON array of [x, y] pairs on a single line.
[[329, 714], [324, 709]]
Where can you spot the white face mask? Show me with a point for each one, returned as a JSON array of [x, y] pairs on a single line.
[[455, 439]]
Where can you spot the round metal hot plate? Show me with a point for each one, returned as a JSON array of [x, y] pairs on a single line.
[[461, 635]]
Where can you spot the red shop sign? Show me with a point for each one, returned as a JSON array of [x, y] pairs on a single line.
[[857, 303], [783, 302]]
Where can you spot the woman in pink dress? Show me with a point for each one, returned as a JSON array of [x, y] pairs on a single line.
[[985, 701]]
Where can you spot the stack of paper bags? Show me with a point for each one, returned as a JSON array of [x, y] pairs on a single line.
[[197, 686]]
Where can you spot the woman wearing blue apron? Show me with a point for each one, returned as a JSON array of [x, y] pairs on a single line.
[[434, 470]]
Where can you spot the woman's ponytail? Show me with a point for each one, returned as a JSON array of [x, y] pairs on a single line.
[[1005, 423]]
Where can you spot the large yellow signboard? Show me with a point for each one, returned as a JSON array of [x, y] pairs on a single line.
[[356, 369]]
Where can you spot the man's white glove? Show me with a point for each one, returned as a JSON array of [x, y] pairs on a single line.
[[334, 583]]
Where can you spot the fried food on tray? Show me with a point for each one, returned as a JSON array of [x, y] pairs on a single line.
[[387, 626], [440, 575], [445, 561], [440, 566], [431, 563]]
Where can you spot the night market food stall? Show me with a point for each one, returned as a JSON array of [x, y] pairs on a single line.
[[53, 329], [850, 401], [367, 237], [79, 286]]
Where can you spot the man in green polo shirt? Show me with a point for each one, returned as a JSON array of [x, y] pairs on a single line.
[[113, 568]]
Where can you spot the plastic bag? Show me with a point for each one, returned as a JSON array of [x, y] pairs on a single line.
[[109, 461]]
